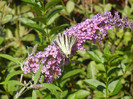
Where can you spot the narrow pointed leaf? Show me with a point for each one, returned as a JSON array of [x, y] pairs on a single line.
[[106, 51], [54, 11], [113, 70], [91, 70], [51, 86], [12, 82], [11, 74], [82, 94], [95, 84], [10, 58], [37, 75], [72, 96], [70, 6], [115, 86], [34, 94], [71, 73], [57, 28], [116, 61], [51, 3], [94, 57], [31, 24]]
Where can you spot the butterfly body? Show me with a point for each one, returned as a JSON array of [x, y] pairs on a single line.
[[65, 43]]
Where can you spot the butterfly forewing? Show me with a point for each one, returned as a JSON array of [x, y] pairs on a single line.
[[59, 43], [73, 40], [65, 43]]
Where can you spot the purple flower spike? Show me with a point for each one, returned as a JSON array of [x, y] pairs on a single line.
[[91, 29]]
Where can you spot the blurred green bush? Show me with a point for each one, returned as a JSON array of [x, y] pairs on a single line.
[[25, 23]]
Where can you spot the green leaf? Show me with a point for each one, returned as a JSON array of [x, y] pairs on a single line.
[[100, 67], [51, 3], [100, 55], [2, 35], [127, 11], [130, 68], [83, 54], [34, 94], [72, 96], [51, 86], [111, 33], [35, 6], [120, 33], [31, 24], [53, 15], [26, 21], [70, 6], [28, 37], [91, 70], [129, 54], [20, 51], [12, 82], [2, 91], [57, 28], [48, 96], [96, 84], [127, 37], [98, 9], [25, 9], [7, 18], [52, 19], [115, 86], [29, 50], [4, 96], [127, 97], [116, 60], [1, 40], [96, 56], [123, 69], [40, 19], [82, 94], [107, 51], [62, 83], [9, 34], [117, 53], [29, 1], [10, 75], [37, 75], [98, 94], [64, 94], [54, 11], [113, 70], [37, 9], [71, 73], [56, 93], [10, 58], [107, 7]]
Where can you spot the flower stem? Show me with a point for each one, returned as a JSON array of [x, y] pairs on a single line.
[[18, 94], [104, 5]]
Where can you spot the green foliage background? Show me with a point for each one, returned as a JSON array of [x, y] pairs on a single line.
[[104, 70]]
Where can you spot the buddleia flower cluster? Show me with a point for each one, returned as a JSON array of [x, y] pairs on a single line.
[[96, 28], [91, 29], [50, 58]]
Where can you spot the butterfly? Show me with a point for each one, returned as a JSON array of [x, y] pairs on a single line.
[[65, 44]]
